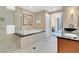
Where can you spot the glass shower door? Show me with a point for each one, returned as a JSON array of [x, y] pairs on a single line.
[[7, 41]]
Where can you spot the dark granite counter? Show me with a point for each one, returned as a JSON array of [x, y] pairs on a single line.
[[24, 35]]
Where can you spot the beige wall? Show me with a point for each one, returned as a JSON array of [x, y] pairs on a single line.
[[68, 19], [36, 16], [40, 16], [19, 18], [29, 13]]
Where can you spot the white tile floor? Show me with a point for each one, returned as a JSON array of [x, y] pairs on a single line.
[[43, 46]]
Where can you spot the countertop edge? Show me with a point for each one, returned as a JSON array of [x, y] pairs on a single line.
[[68, 38], [20, 35]]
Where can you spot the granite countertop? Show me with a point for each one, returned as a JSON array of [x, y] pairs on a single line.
[[73, 37], [26, 33]]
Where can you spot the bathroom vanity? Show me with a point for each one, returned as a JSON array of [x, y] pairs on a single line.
[[68, 42], [68, 45]]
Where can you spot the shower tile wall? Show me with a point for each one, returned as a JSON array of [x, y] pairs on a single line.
[[8, 42]]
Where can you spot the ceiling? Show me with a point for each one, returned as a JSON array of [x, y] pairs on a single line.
[[39, 8]]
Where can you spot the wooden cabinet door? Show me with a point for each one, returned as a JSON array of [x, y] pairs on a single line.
[[68, 46]]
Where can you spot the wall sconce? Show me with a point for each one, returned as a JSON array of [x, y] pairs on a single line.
[[72, 13], [38, 21], [72, 16]]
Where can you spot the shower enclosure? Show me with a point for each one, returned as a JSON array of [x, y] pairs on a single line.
[[8, 41]]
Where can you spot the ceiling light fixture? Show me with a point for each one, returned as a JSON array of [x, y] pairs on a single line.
[[31, 7]]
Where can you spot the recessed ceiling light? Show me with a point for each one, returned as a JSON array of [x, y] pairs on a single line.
[[31, 7]]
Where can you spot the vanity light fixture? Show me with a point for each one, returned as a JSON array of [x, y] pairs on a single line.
[[72, 13]]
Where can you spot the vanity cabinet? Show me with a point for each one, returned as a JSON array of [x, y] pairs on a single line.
[[66, 45]]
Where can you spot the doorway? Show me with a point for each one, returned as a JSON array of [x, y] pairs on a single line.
[[57, 23]]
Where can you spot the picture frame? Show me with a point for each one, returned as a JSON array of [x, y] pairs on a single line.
[[27, 19]]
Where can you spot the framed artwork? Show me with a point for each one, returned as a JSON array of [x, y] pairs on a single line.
[[27, 19]]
